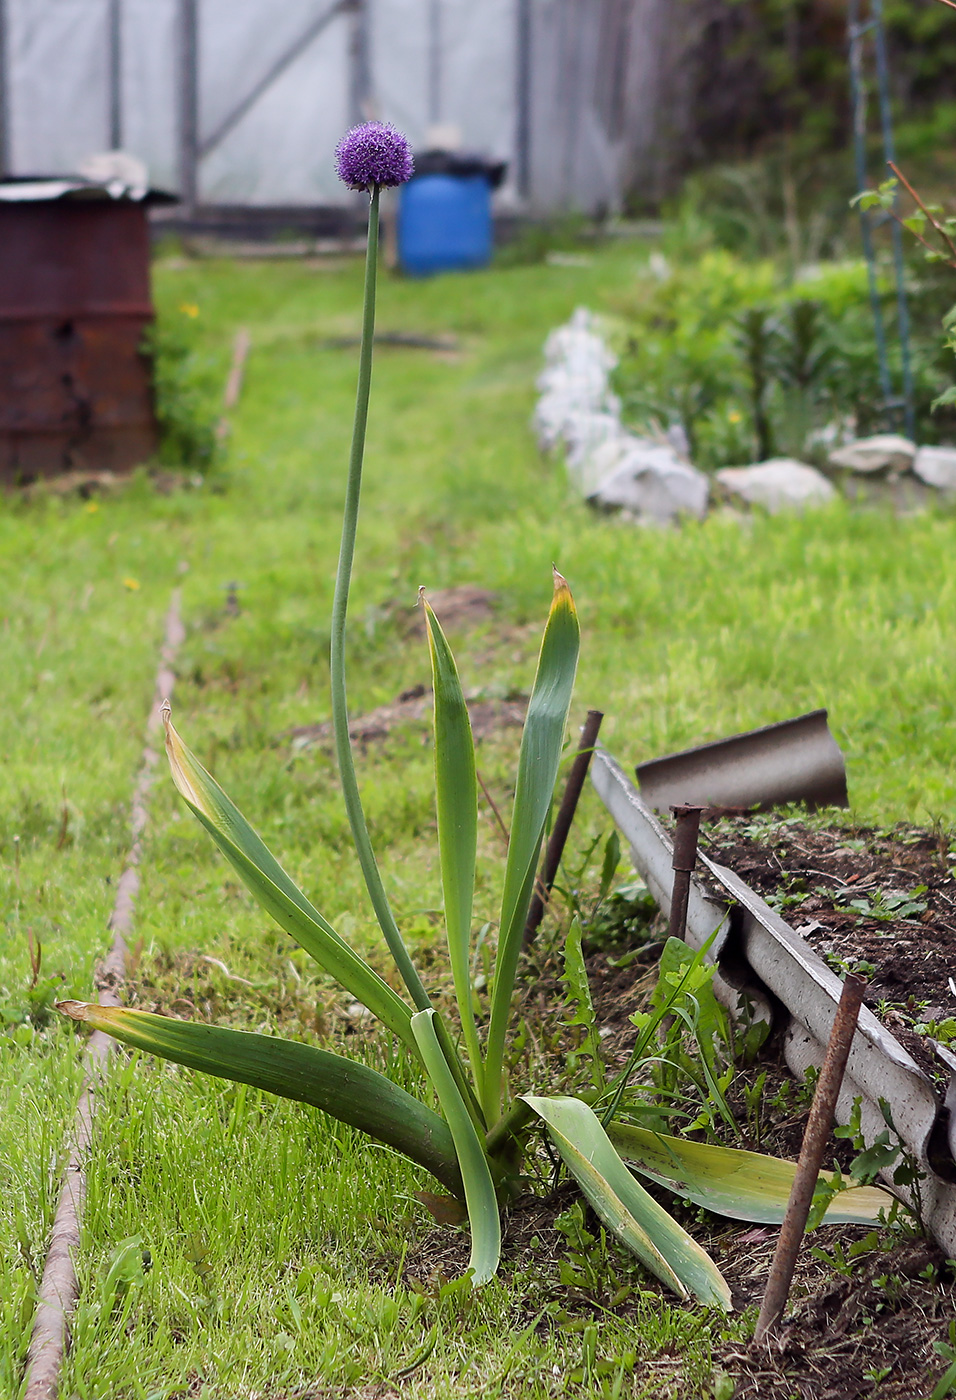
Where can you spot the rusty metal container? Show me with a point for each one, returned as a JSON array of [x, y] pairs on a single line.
[[75, 381]]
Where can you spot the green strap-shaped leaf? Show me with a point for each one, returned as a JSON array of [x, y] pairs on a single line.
[[475, 1172], [460, 1075], [456, 795], [351, 1092], [541, 744], [265, 879], [625, 1207], [742, 1185]]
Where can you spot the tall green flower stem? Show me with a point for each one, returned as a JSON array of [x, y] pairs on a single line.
[[475, 1150], [340, 604]]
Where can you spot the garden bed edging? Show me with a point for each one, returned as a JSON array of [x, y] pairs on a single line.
[[765, 970]]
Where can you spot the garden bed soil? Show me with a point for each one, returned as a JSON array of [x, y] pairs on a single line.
[[880, 903], [869, 1331]]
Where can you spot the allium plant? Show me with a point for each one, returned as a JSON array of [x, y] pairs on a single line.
[[480, 1141]]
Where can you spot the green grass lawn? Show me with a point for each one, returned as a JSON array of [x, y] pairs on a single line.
[[276, 1240]]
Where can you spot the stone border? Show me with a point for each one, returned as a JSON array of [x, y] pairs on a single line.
[[652, 481]]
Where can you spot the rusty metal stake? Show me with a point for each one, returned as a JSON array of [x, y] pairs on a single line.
[[684, 859], [815, 1139], [562, 822]]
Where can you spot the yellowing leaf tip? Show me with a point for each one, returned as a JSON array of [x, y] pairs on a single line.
[[186, 776], [562, 592], [76, 1009]]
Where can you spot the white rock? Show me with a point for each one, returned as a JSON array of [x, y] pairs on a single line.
[[578, 341], [586, 387], [600, 463], [565, 418], [677, 437], [575, 386], [780, 484], [550, 416], [937, 467], [576, 408], [885, 452], [583, 433], [648, 479]]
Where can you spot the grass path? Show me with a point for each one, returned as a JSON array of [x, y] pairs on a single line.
[[276, 1245]]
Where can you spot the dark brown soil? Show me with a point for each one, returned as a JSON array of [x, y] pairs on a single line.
[[868, 1333], [858, 895], [414, 708], [875, 902]]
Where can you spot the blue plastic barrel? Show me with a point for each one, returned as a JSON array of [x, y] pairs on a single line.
[[444, 223]]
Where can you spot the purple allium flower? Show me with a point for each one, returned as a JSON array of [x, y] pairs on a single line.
[[375, 153]]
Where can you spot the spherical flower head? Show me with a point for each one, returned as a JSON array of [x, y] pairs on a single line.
[[375, 153]]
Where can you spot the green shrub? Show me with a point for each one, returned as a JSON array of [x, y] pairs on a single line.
[[186, 391], [754, 364]]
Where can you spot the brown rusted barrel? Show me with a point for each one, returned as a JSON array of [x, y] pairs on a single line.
[[75, 382]]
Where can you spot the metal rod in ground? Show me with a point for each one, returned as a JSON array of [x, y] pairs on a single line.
[[686, 833], [815, 1139], [59, 1287], [562, 822]]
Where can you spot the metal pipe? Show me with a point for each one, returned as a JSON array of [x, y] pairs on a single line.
[[684, 859], [815, 1139], [902, 308], [5, 160], [59, 1288], [434, 62], [855, 32], [360, 83], [115, 61], [562, 822], [189, 104], [523, 101], [568, 95], [240, 352]]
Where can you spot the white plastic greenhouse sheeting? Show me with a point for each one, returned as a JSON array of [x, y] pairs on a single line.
[[57, 96], [280, 152], [477, 69], [56, 83]]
